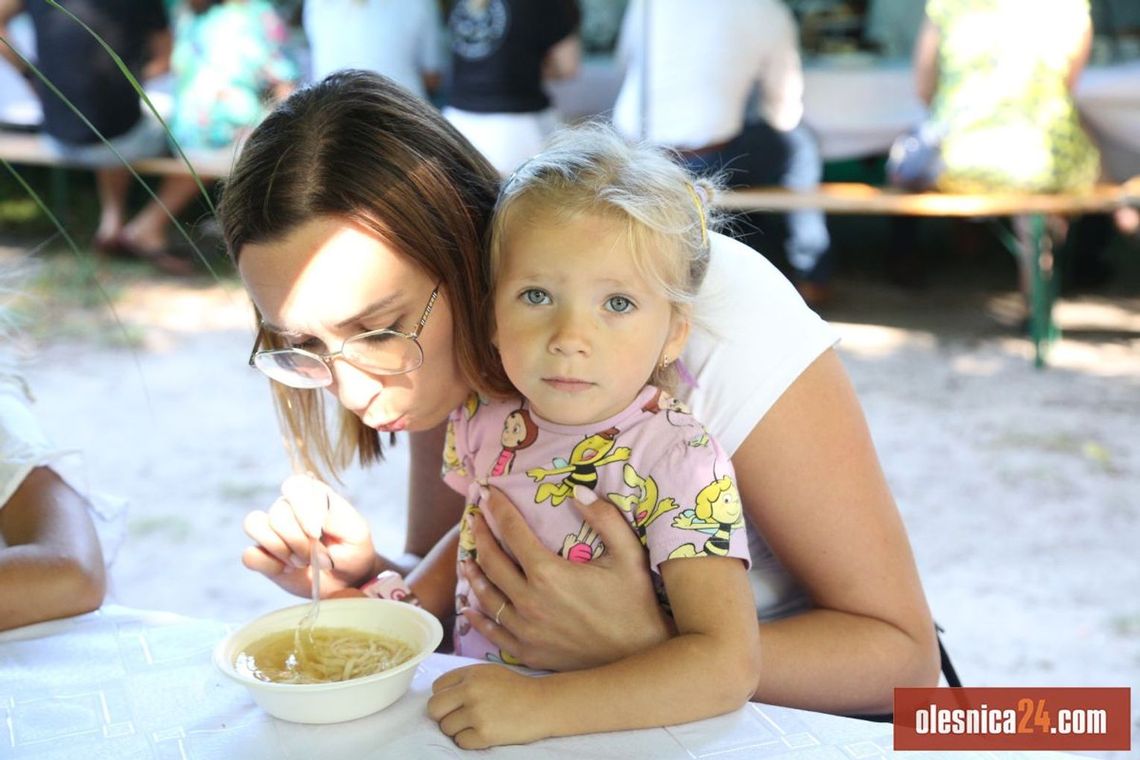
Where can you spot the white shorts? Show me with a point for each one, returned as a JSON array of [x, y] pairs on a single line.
[[143, 140], [505, 139]]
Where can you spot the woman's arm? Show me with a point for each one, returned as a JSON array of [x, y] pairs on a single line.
[[707, 669], [562, 60], [51, 565], [812, 485], [926, 60]]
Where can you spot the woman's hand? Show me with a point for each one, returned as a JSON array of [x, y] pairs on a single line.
[[309, 508], [559, 615]]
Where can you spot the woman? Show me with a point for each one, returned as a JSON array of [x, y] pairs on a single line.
[[357, 217]]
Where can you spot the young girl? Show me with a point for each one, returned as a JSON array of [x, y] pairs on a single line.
[[598, 249]]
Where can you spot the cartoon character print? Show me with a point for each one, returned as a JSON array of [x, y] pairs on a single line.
[[641, 505], [588, 455], [582, 546], [466, 535], [663, 402], [717, 513], [519, 432], [462, 624], [451, 461]]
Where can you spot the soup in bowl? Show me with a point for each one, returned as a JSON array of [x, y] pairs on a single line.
[[359, 657]]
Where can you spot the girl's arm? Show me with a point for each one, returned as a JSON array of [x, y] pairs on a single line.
[[51, 565], [709, 668], [810, 481], [1080, 56]]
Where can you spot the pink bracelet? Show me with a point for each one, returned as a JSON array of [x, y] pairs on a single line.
[[390, 585]]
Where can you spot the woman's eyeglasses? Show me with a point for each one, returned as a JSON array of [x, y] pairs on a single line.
[[381, 352]]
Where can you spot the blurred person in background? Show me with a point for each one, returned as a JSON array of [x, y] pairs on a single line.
[[401, 39], [74, 62], [998, 77], [230, 66], [721, 82], [501, 53]]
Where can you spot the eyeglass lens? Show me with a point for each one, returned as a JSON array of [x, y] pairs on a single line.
[[382, 352]]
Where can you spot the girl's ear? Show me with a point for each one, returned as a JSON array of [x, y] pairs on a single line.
[[679, 324]]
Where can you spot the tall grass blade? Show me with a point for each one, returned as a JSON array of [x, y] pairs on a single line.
[[84, 256]]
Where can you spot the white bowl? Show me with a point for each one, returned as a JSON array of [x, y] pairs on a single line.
[[342, 700]]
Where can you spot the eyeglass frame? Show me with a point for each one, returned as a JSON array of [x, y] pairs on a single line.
[[327, 358]]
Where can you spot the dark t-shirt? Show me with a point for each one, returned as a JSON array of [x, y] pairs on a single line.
[[83, 71], [497, 53]]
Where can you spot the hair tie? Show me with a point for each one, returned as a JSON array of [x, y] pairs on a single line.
[[698, 195]]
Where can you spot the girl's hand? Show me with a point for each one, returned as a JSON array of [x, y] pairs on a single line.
[[482, 706], [562, 615], [309, 508]]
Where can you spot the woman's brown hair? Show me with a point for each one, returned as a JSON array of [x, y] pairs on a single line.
[[359, 147]]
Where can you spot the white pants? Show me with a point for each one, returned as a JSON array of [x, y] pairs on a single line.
[[505, 139]]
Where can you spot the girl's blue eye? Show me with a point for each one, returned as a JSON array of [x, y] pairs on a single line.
[[535, 296], [619, 304]]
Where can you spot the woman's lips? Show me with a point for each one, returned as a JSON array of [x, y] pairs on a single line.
[[394, 426], [567, 384]]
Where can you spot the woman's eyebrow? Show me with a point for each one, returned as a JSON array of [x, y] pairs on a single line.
[[381, 304], [372, 308]]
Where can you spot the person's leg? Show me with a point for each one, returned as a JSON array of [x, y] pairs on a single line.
[[808, 242], [111, 185], [147, 231], [757, 157]]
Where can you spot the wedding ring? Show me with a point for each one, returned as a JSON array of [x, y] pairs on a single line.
[[502, 607]]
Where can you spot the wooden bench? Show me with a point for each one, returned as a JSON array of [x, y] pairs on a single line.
[[1034, 255], [27, 149]]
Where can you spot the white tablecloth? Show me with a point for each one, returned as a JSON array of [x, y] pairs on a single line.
[[129, 683], [122, 682]]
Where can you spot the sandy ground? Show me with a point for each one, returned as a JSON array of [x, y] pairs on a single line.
[[1019, 487]]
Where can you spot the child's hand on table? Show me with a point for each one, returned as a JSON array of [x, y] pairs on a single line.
[[481, 706]]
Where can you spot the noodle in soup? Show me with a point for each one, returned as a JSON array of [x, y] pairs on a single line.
[[323, 655]]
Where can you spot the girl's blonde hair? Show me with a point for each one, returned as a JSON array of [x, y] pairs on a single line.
[[590, 169]]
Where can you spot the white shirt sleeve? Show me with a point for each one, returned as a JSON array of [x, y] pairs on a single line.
[[752, 337], [782, 75], [24, 446]]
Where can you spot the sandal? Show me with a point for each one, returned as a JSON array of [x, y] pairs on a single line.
[[159, 258]]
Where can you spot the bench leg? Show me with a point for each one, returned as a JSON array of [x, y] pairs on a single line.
[[1032, 246]]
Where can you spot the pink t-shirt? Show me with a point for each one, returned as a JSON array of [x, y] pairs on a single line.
[[672, 481]]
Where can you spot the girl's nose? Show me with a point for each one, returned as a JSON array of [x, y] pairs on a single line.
[[571, 335]]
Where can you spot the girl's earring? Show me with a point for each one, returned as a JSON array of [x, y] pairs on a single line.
[[665, 361]]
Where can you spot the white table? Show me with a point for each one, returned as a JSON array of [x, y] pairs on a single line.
[[858, 106], [130, 683], [858, 103]]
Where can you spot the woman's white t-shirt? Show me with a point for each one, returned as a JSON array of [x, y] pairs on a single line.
[[752, 337]]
